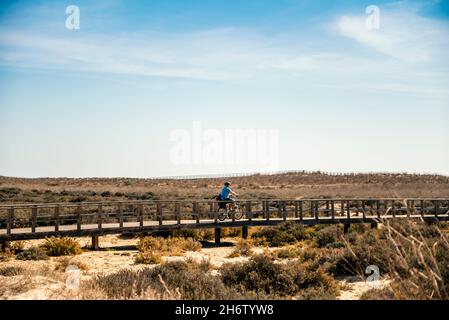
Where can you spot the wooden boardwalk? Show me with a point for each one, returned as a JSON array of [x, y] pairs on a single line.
[[37, 221]]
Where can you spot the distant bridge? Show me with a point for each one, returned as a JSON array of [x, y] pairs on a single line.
[[37, 221]]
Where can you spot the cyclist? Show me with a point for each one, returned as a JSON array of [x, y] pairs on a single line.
[[226, 193]]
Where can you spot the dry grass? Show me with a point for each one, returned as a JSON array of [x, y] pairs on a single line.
[[267, 279], [290, 185], [148, 258], [170, 246], [61, 246], [418, 265], [64, 262], [243, 247]]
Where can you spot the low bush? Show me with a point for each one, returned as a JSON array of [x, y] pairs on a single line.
[[198, 235], [231, 232], [61, 247], [63, 263], [176, 279], [11, 271], [243, 247], [148, 258], [417, 261], [289, 252], [378, 294], [283, 234], [171, 246], [12, 247], [33, 253], [264, 277], [329, 237]]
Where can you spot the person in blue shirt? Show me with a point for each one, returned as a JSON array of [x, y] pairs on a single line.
[[226, 193]]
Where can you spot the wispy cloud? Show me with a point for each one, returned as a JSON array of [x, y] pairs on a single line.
[[403, 35], [409, 45]]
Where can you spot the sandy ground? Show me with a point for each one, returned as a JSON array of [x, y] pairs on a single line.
[[43, 282]]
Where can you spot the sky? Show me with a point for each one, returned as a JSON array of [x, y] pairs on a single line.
[[163, 88]]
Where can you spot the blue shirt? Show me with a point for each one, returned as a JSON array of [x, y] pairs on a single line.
[[225, 193]]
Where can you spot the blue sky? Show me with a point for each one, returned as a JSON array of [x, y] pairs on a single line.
[[104, 100]]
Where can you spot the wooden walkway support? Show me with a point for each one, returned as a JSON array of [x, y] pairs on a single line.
[[93, 219]]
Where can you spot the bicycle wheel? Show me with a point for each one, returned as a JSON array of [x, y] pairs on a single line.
[[238, 214], [222, 214]]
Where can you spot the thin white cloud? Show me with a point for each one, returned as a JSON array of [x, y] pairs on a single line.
[[417, 45], [403, 35]]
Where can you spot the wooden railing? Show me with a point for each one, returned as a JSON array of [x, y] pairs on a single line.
[[31, 221]]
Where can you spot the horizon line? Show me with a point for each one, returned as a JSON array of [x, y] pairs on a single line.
[[244, 174]]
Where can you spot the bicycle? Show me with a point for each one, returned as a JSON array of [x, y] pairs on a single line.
[[225, 211]]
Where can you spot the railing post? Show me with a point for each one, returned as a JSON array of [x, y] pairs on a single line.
[[284, 211], [57, 218], [211, 209], [342, 208], [423, 211], [411, 210], [10, 220], [244, 232], [216, 212], [33, 219], [348, 210], [296, 209], [279, 203], [95, 242], [249, 213], [301, 210], [363, 210], [327, 208], [100, 218], [436, 207], [317, 210], [159, 212], [217, 235], [333, 210], [357, 208], [120, 215], [178, 212], [347, 225], [312, 208], [141, 215], [393, 208], [78, 217], [267, 210], [378, 208], [196, 212]]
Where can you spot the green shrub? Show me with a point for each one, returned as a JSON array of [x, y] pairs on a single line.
[[177, 278], [198, 235], [329, 237], [264, 277], [12, 247], [243, 247], [33, 253], [61, 246], [289, 252], [148, 258], [11, 271], [283, 234], [172, 246]]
